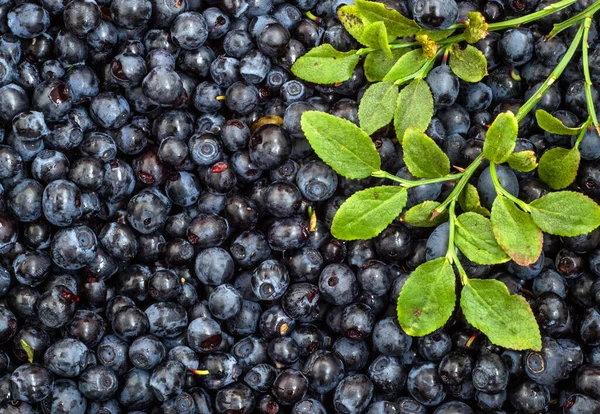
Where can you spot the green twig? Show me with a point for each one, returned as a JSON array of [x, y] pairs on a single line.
[[500, 190], [590, 11], [415, 183], [587, 23], [558, 70], [584, 129], [546, 11], [467, 174]]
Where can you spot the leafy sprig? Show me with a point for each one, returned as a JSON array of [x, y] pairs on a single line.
[[399, 55]]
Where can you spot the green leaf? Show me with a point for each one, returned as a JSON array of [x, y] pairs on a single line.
[[378, 64], [414, 108], [375, 36], [554, 125], [395, 23], [476, 29], [469, 64], [325, 65], [523, 161], [565, 213], [350, 18], [516, 232], [408, 64], [501, 138], [341, 144], [420, 215], [558, 167], [368, 212], [505, 319], [422, 155], [377, 106], [427, 298], [475, 238], [469, 201]]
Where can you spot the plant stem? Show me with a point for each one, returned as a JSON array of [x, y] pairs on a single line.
[[558, 70], [587, 23], [501, 191], [584, 128], [590, 11], [415, 183], [546, 11], [467, 174]]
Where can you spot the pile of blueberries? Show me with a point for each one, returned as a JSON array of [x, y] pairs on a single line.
[[158, 244]]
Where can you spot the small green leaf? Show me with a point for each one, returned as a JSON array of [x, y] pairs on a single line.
[[350, 18], [554, 125], [28, 350], [368, 212], [427, 298], [377, 106], [523, 161], [516, 232], [501, 138], [436, 35], [475, 238], [565, 213], [420, 215], [375, 37], [476, 29], [558, 167], [341, 144], [408, 64], [469, 201], [378, 64], [325, 65], [414, 108], [469, 64], [395, 23], [422, 155], [505, 319]]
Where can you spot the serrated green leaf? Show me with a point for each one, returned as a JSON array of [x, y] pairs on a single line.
[[408, 64], [558, 167], [414, 108], [523, 161], [368, 212], [469, 63], [422, 155], [378, 64], [350, 18], [341, 144], [375, 36], [377, 106], [476, 27], [395, 23], [507, 320], [325, 65], [469, 201], [565, 213], [436, 35], [427, 298], [475, 238], [553, 125], [420, 215], [516, 232], [501, 138]]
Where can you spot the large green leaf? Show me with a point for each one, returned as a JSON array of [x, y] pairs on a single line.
[[469, 63], [505, 319], [341, 144], [375, 36], [553, 125], [501, 138], [378, 64], [325, 65], [395, 23], [565, 213], [377, 106], [414, 108], [469, 201], [516, 231], [558, 167], [368, 212], [422, 155], [421, 215], [408, 64], [427, 298], [352, 21], [475, 238]]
